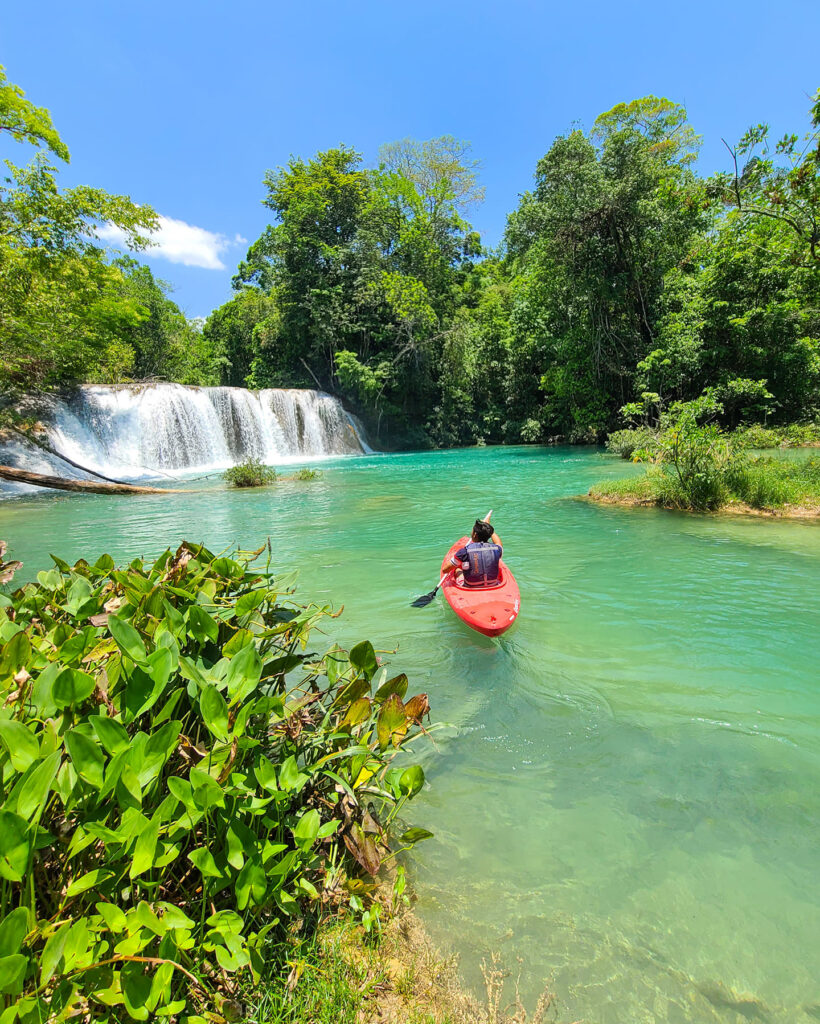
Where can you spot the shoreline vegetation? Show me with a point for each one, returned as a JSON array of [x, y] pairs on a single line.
[[635, 494], [186, 786], [400, 978], [693, 465]]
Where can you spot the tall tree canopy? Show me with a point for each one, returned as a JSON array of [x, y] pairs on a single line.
[[624, 277], [626, 281], [362, 273], [68, 312]]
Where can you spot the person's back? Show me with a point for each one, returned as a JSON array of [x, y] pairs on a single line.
[[480, 558]]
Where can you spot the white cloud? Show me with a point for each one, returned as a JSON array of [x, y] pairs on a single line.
[[183, 243]]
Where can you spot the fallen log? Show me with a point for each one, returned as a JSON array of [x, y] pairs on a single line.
[[31, 439], [23, 476]]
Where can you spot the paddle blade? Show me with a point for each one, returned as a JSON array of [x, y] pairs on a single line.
[[424, 600]]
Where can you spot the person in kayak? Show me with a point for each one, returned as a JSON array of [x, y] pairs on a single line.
[[478, 560]]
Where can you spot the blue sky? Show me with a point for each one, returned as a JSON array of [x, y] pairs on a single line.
[[185, 105]]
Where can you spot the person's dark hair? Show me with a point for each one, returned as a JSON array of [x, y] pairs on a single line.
[[482, 531]]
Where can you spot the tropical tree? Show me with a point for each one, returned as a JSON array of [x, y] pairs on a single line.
[[610, 215], [62, 307]]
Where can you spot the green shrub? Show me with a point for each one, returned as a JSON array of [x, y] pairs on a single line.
[[758, 436], [250, 473], [531, 431], [627, 442], [307, 474], [584, 435], [183, 777], [802, 433], [792, 436], [696, 459]]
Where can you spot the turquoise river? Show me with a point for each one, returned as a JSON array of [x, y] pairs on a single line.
[[626, 800]]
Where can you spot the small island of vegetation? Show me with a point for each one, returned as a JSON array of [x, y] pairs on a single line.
[[253, 473], [695, 465]]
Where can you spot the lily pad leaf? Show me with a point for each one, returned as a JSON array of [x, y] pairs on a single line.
[[214, 711], [15, 844], [392, 721], [21, 744], [412, 780], [398, 684], [13, 929]]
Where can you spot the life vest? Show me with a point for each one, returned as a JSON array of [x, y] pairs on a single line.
[[480, 563]]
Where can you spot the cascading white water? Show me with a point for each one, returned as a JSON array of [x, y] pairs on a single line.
[[169, 428]]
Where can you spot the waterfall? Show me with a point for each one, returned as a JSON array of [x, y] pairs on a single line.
[[169, 428]]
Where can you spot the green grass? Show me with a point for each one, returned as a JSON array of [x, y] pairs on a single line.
[[336, 976], [314, 980], [771, 483], [307, 474], [636, 488], [762, 482]]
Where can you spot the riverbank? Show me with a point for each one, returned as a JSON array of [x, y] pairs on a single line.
[[637, 494], [759, 486], [343, 976]]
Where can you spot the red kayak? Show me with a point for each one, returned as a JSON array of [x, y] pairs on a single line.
[[490, 610]]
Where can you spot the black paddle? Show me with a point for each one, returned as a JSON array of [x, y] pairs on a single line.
[[425, 599]]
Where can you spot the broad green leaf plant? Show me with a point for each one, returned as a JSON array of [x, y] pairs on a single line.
[[183, 776]]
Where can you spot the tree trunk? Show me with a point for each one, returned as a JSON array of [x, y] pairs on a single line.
[[53, 451], [23, 476]]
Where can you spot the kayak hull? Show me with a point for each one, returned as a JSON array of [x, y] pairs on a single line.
[[488, 610]]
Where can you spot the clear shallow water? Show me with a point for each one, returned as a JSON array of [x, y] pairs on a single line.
[[628, 799]]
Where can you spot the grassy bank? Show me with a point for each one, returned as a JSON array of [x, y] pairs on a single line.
[[340, 975], [755, 485], [695, 464]]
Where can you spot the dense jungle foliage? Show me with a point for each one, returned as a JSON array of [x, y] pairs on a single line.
[[625, 279], [188, 780]]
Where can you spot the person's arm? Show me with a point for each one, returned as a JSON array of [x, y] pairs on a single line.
[[458, 558], [496, 539]]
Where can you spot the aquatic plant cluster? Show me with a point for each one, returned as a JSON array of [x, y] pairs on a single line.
[[253, 473], [184, 777], [250, 473]]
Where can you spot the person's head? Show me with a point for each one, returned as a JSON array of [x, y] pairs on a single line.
[[482, 531]]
